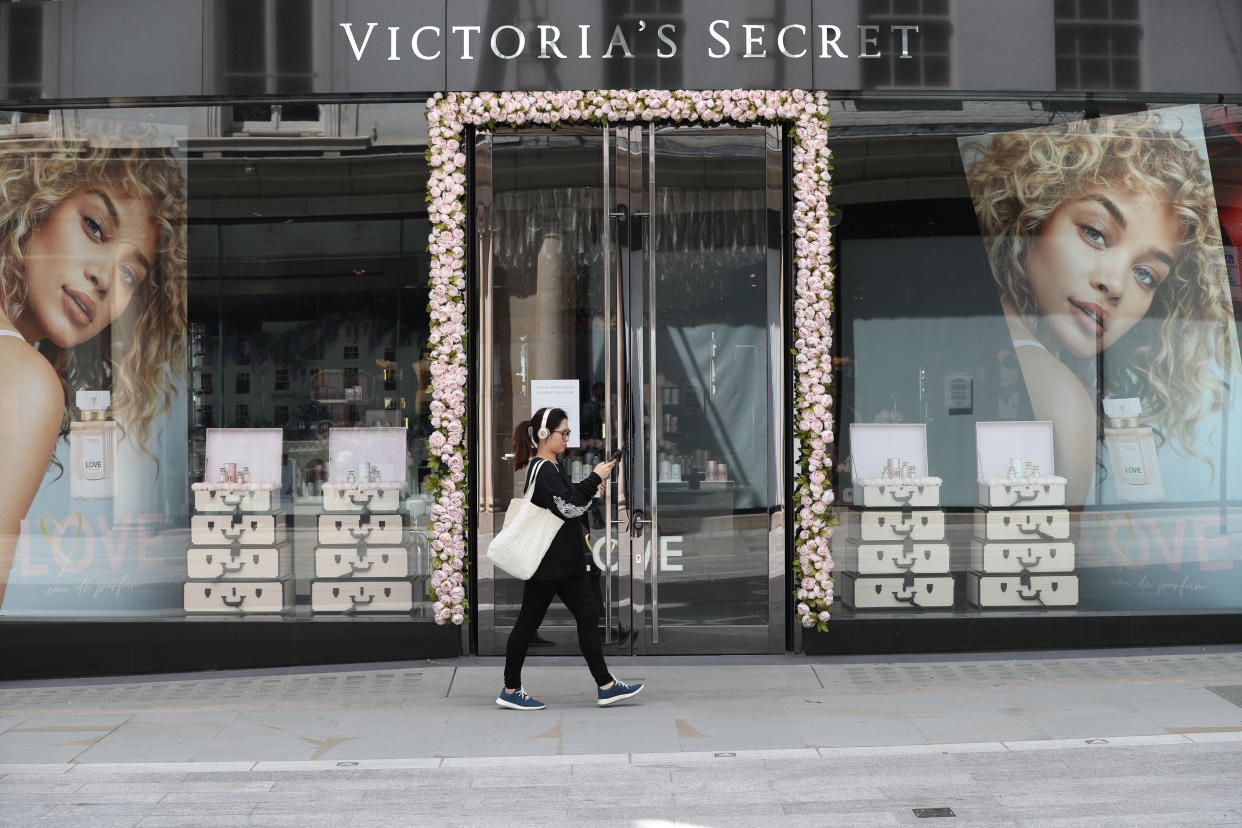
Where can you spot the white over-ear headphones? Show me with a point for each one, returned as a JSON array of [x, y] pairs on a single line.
[[543, 428]]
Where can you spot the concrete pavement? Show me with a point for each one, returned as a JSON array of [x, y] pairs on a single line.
[[1114, 737]]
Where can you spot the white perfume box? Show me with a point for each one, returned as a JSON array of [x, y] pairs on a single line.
[[225, 500], [1003, 558], [1022, 524], [247, 530], [884, 525], [871, 445], [378, 448], [239, 597], [362, 596], [1027, 592], [258, 449], [251, 563], [378, 530], [895, 591], [1021, 495], [894, 558], [357, 499], [367, 562]]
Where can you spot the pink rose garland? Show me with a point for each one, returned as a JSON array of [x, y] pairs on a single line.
[[447, 116]]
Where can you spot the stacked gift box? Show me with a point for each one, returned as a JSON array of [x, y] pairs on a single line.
[[1021, 555], [897, 556], [362, 560], [239, 561]]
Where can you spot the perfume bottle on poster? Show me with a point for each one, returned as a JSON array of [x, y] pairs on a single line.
[[1132, 451], [92, 445]]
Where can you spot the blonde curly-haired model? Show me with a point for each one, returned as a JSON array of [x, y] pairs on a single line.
[[1102, 237], [92, 271]]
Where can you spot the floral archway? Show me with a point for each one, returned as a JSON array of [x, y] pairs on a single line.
[[806, 112]]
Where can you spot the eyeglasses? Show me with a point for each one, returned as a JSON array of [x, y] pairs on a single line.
[[564, 433]]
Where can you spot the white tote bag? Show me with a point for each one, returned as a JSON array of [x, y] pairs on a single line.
[[528, 531]]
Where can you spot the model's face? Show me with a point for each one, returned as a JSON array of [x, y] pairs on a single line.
[[84, 264], [1097, 263]]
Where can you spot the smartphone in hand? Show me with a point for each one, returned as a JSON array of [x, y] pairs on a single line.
[[616, 455]]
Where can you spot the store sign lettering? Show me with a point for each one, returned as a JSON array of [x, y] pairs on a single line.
[[586, 42]]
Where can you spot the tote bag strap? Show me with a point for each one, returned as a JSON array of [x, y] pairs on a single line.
[[534, 475]]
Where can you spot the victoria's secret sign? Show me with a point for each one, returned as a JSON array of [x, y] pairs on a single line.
[[720, 38]]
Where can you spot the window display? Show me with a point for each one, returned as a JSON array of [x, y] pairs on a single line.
[[1076, 280]]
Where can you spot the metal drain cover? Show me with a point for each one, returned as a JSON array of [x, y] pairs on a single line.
[[924, 813]]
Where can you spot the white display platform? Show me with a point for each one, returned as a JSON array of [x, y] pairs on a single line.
[[247, 530], [378, 447], [238, 564], [893, 558], [379, 530], [863, 592], [1022, 524], [993, 591], [239, 597], [871, 444], [1000, 558], [369, 562], [362, 596], [355, 500], [888, 525], [258, 449]]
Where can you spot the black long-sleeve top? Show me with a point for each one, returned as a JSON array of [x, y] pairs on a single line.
[[569, 501]]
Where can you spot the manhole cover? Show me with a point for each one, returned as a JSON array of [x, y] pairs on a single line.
[[924, 813]]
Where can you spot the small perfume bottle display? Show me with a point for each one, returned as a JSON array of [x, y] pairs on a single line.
[[93, 441], [1132, 452]]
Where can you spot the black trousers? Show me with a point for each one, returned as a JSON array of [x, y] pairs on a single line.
[[575, 592]]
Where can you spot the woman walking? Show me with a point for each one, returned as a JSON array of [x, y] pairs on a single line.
[[562, 573]]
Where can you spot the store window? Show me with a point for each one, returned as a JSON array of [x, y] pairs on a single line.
[[222, 456], [1038, 407]]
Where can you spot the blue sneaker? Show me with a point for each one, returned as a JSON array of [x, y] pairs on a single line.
[[518, 700], [620, 691]]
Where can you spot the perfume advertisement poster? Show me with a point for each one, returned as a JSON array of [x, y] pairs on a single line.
[[92, 369], [1105, 248]]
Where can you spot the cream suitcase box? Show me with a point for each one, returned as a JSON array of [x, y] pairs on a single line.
[[872, 445], [1028, 591], [350, 530], [908, 592], [894, 558], [242, 529], [256, 448], [365, 562], [239, 563], [362, 596], [239, 597], [360, 451]]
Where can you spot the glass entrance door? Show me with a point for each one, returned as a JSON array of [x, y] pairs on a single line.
[[632, 276]]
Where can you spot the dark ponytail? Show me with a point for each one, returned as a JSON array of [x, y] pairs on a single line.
[[524, 435]]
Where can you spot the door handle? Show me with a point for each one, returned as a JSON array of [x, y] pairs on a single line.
[[637, 524]]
